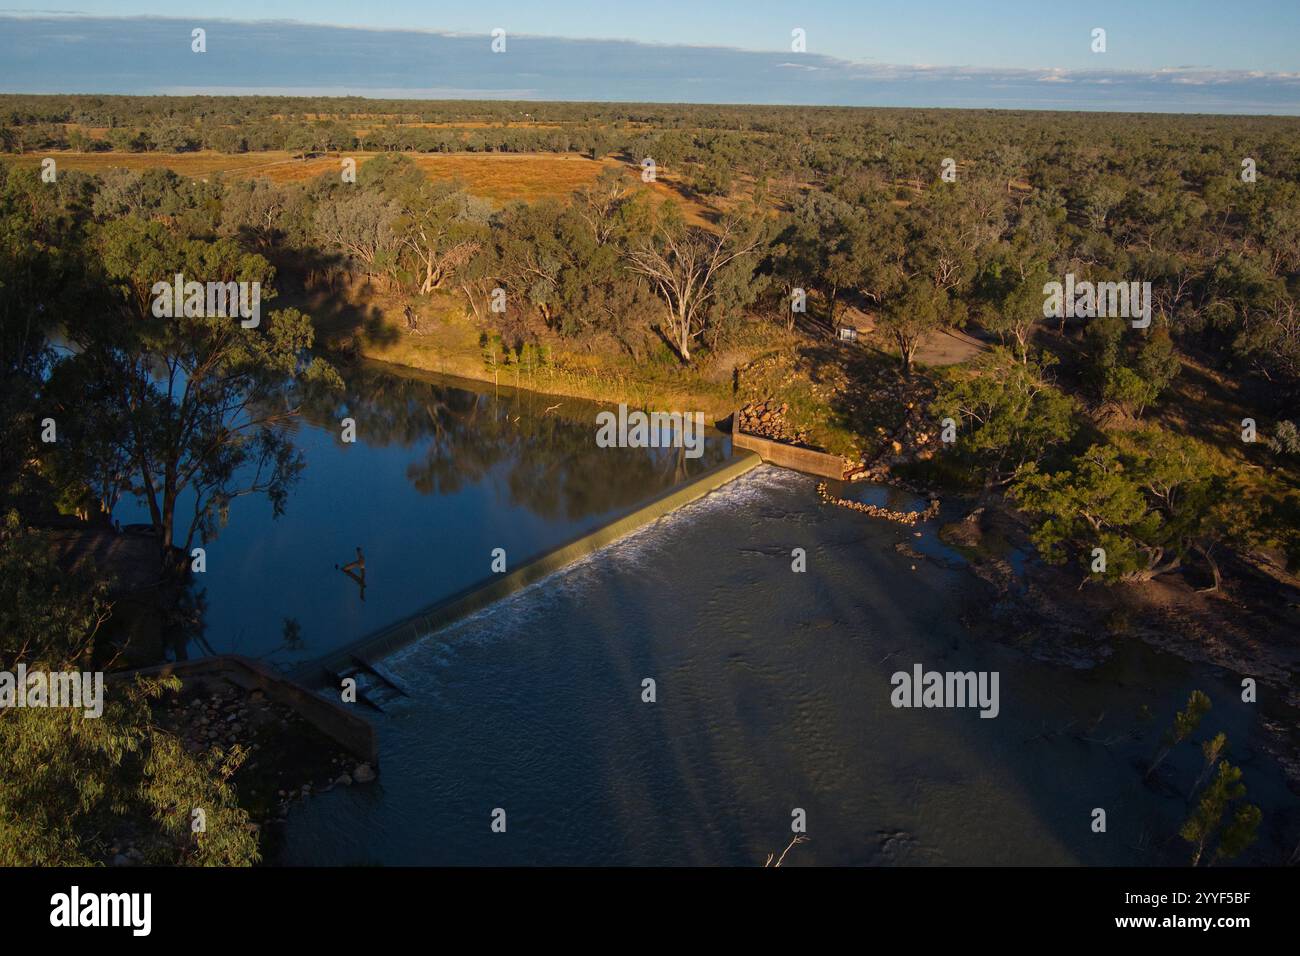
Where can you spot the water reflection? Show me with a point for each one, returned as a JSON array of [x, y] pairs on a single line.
[[545, 443], [441, 473]]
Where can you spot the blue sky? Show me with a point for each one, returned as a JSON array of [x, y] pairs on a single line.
[[1162, 55], [1142, 34]]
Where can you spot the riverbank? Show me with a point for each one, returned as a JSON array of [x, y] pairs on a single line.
[[1247, 629], [847, 399]]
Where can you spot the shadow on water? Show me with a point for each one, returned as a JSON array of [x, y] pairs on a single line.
[[773, 694]]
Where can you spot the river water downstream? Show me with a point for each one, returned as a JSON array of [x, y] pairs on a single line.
[[772, 694]]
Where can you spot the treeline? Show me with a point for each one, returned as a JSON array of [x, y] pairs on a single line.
[[831, 147], [842, 208]]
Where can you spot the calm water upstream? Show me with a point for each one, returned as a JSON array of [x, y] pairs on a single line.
[[773, 693], [441, 473]]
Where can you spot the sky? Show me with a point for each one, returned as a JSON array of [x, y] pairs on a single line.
[[1164, 55]]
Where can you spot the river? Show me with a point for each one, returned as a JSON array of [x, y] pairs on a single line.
[[441, 473], [772, 695]]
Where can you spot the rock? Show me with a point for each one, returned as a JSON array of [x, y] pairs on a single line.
[[120, 860], [363, 773], [344, 780]]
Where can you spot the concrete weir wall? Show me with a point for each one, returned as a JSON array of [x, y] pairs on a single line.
[[806, 460], [375, 646]]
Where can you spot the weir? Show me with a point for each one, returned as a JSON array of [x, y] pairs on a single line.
[[369, 649], [783, 455]]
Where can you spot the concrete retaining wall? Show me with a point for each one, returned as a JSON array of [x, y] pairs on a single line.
[[810, 462], [346, 728], [375, 646]]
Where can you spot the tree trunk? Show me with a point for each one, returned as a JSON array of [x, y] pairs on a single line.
[[1214, 569]]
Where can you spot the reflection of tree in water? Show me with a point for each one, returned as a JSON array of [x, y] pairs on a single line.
[[552, 464]]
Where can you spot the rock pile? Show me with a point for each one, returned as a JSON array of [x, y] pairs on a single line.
[[767, 420], [286, 759], [902, 517], [914, 440]]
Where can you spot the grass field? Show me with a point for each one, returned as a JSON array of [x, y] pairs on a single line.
[[501, 177]]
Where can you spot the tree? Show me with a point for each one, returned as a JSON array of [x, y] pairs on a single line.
[[362, 225], [1148, 499], [1131, 379], [68, 781], [206, 399], [1019, 311], [440, 225], [908, 317], [172, 137], [254, 211], [1206, 820], [1212, 750], [1285, 439], [45, 272], [47, 614], [1007, 412], [684, 266], [712, 177], [1185, 724], [611, 212]]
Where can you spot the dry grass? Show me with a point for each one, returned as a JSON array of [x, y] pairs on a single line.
[[508, 176], [501, 177], [194, 165], [467, 125], [498, 176]]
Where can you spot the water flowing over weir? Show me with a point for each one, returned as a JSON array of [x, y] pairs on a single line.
[[364, 654], [772, 693]]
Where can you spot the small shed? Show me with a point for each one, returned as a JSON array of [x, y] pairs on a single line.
[[854, 324]]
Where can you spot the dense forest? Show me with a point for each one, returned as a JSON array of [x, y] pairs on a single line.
[[1172, 447]]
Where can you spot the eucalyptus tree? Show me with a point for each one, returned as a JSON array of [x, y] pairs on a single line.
[[687, 268], [1007, 413], [203, 401], [1147, 499]]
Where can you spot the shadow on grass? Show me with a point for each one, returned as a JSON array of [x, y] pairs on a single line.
[[868, 396]]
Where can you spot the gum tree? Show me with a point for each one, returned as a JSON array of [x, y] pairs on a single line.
[[684, 265], [66, 779], [203, 400], [1148, 499], [1225, 793], [1008, 414]]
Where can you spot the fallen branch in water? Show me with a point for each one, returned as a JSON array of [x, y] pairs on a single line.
[[781, 859]]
